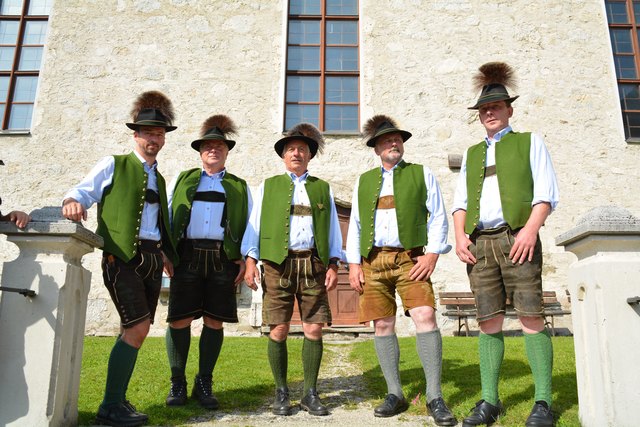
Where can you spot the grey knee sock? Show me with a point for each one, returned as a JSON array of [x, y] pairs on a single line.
[[388, 352], [429, 345]]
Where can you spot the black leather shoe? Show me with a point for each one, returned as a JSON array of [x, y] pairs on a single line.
[[178, 393], [134, 411], [282, 403], [202, 391], [312, 404], [117, 414], [440, 413], [391, 406], [483, 413], [540, 416]]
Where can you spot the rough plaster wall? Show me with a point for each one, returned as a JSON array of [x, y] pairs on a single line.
[[417, 58]]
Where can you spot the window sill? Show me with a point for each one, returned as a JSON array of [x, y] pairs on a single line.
[[8, 132], [634, 141]]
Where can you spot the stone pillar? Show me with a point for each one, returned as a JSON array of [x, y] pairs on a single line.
[[605, 288], [41, 337]]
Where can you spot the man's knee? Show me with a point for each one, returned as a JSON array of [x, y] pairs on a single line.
[[279, 332], [493, 325], [384, 326], [531, 325], [424, 318], [135, 335], [312, 331]]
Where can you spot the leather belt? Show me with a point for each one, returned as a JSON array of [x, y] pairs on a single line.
[[300, 210], [386, 202], [489, 171]]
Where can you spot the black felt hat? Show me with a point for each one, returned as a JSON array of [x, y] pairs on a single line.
[[152, 108], [494, 78], [216, 127], [305, 132], [380, 125]]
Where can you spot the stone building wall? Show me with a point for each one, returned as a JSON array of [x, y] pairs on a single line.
[[416, 62]]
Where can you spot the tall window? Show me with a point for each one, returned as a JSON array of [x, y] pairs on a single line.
[[23, 29], [624, 31], [322, 65]]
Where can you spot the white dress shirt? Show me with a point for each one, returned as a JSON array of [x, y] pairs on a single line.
[[545, 185], [386, 222]]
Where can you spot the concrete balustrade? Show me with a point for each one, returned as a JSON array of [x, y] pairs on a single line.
[[41, 337], [604, 284]]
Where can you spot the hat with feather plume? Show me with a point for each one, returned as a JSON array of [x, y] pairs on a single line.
[[152, 108], [218, 127], [305, 132], [379, 125], [494, 78]]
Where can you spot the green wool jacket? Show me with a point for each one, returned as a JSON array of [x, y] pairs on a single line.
[[410, 195], [120, 210], [274, 221], [237, 206], [515, 180]]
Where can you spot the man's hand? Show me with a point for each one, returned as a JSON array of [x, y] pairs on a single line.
[[356, 277], [20, 218], [331, 279], [524, 245], [240, 277], [462, 249], [167, 266], [73, 210], [424, 267], [251, 273]]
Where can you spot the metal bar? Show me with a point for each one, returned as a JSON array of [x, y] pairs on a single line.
[[24, 291]]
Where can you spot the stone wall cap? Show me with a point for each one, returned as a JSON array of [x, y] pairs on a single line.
[[602, 220], [49, 221]]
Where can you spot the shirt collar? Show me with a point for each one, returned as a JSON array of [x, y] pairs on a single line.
[[300, 178], [218, 175], [144, 162], [498, 136], [394, 166]]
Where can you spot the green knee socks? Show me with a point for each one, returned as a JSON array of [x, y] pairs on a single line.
[[491, 349]]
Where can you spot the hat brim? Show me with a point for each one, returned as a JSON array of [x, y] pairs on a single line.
[[136, 126], [198, 142], [403, 133], [313, 145], [494, 98]]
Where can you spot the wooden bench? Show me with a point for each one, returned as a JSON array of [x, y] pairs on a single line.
[[462, 305]]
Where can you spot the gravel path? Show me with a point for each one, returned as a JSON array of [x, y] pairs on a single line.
[[341, 388]]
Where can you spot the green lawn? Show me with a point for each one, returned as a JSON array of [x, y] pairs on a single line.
[[242, 378]]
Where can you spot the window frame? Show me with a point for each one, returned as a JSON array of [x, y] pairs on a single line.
[[633, 27], [323, 73], [14, 72]]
